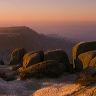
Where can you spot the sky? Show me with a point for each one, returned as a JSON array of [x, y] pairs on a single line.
[[43, 15]]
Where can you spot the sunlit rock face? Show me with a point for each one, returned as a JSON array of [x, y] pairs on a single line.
[[80, 48], [84, 60], [32, 58]]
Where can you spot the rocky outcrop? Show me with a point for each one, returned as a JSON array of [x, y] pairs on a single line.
[[49, 68], [60, 56], [82, 47], [48, 64], [84, 59], [32, 58], [17, 56]]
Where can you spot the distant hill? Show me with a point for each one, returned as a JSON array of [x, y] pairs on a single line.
[[13, 37]]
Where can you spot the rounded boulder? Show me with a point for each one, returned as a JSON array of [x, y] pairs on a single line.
[[17, 56], [60, 56], [32, 58], [82, 47], [84, 59]]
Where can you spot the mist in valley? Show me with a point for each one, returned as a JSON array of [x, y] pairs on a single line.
[[74, 31]]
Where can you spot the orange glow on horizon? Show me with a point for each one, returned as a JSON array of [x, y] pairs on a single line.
[[32, 11]]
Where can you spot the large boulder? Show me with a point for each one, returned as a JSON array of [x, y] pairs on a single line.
[[82, 47], [84, 59], [32, 58], [60, 56], [17, 56], [49, 68]]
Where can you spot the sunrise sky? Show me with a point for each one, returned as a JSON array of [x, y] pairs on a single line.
[[43, 13]]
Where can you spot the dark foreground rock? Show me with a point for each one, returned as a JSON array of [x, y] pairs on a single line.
[[50, 68], [10, 76], [1, 62], [7, 73], [60, 56]]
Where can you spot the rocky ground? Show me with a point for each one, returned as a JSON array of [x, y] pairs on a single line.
[[63, 86], [67, 85], [69, 88], [29, 86]]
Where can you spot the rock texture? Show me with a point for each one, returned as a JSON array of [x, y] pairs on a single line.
[[32, 58], [82, 47], [44, 69], [84, 59], [60, 56], [17, 56]]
